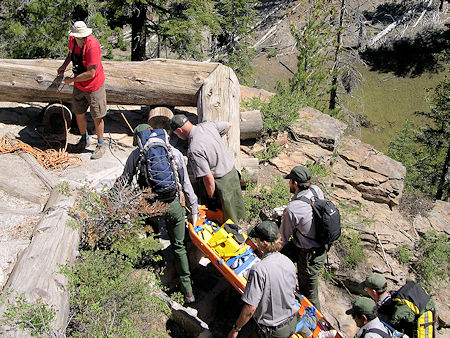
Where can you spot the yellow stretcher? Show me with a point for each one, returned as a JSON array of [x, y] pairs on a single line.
[[234, 260]]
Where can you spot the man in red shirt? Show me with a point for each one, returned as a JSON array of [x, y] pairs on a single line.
[[89, 90]]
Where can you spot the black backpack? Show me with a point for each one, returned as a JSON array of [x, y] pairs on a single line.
[[327, 219], [414, 296], [157, 164]]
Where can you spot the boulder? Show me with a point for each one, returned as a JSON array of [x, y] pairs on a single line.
[[378, 177], [437, 219], [318, 128]]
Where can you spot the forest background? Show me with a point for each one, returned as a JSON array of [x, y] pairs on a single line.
[[381, 66]]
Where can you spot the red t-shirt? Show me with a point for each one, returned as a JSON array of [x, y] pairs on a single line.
[[91, 56]]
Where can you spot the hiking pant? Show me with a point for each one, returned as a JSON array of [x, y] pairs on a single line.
[[176, 229], [309, 264], [229, 193]]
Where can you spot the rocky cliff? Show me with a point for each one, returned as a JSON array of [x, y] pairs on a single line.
[[367, 186]]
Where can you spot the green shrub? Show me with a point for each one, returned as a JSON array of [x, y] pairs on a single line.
[[280, 112], [271, 151], [116, 219], [319, 171], [265, 198], [63, 188], [107, 299], [31, 316], [352, 248], [433, 256], [403, 254]]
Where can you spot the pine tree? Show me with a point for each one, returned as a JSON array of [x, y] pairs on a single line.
[[38, 28], [312, 80], [180, 26], [237, 18], [435, 137]]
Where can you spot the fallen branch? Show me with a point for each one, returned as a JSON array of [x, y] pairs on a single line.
[[384, 253]]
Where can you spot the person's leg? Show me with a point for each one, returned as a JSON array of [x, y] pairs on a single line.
[[229, 192], [99, 128], [80, 106], [176, 229], [97, 104], [308, 268]]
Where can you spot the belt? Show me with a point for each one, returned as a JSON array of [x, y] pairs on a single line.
[[283, 323]]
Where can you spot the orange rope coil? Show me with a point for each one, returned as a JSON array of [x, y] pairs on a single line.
[[49, 159]]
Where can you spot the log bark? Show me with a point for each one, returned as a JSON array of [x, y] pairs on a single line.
[[159, 117], [250, 170], [219, 100], [36, 273], [151, 82], [251, 124]]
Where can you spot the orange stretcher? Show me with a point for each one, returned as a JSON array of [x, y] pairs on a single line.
[[207, 237]]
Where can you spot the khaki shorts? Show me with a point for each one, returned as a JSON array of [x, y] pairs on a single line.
[[96, 101]]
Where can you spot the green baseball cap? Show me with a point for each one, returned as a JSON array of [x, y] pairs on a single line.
[[375, 281], [138, 129], [299, 173], [267, 231], [362, 306], [178, 121]]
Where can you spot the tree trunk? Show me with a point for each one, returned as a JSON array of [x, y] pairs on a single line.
[[36, 273], [152, 82], [333, 92], [219, 100], [139, 33], [444, 173], [251, 124]]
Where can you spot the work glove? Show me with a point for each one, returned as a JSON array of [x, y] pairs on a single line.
[[212, 203]]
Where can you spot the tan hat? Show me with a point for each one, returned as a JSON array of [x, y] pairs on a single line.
[[80, 30]]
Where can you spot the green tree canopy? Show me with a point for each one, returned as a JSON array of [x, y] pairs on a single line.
[[39, 28]]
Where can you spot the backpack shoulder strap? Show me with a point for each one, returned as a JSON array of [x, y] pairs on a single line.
[[314, 192], [377, 331]]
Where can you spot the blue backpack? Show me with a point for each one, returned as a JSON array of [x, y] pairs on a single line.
[[157, 164]]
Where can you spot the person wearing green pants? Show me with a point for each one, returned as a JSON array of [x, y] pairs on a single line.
[[298, 232], [174, 217], [212, 165]]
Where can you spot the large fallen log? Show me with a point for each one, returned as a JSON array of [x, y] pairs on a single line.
[[36, 273], [151, 82]]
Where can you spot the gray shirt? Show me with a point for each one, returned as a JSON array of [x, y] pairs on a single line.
[[270, 288], [298, 215], [207, 151], [131, 168], [373, 324]]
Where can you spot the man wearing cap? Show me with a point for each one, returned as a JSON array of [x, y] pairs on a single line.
[[269, 293], [396, 314], [213, 165], [88, 80], [364, 313], [298, 233], [175, 216]]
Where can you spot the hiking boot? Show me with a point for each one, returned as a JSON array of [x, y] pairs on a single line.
[[189, 298], [99, 151], [81, 145]]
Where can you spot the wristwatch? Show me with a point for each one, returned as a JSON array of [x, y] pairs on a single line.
[[235, 328]]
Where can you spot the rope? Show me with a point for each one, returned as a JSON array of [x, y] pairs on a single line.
[[49, 159]]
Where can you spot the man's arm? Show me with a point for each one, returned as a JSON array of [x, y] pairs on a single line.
[[87, 75], [287, 226], [187, 186], [130, 167], [210, 185], [246, 313], [63, 67]]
